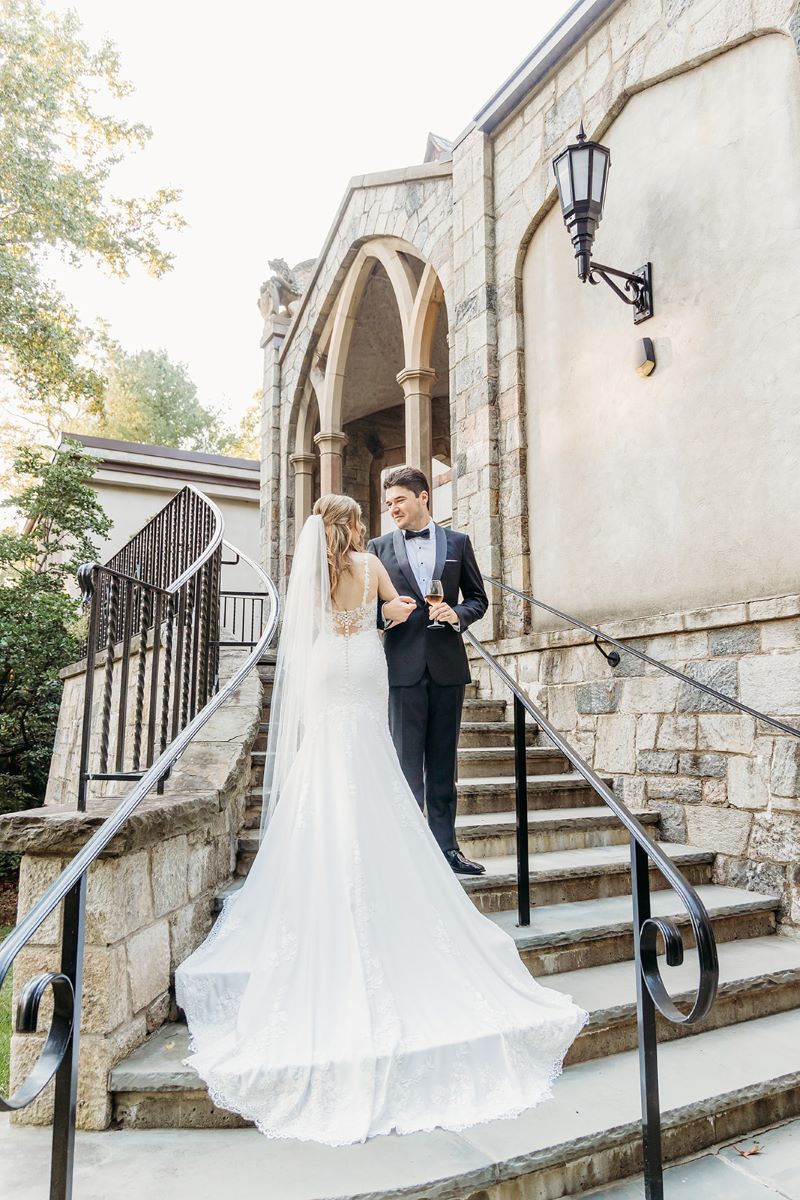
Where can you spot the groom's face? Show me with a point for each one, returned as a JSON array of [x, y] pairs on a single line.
[[407, 510]]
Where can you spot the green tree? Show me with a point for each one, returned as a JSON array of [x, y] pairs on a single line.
[[60, 138], [149, 398], [59, 520], [244, 441]]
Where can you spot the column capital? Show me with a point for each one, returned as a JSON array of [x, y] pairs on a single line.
[[330, 442], [303, 464], [417, 380]]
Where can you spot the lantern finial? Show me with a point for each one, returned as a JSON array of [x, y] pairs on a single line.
[[581, 132]]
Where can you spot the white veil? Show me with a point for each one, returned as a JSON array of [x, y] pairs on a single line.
[[306, 615]]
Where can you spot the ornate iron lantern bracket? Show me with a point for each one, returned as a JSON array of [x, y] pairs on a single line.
[[638, 287]]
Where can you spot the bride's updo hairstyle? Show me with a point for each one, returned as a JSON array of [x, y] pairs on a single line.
[[344, 531]]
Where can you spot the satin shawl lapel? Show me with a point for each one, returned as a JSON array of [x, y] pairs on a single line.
[[441, 551], [399, 544]]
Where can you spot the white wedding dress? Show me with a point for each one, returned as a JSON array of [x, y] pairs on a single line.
[[351, 988]]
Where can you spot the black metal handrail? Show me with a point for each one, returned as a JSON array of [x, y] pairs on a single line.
[[651, 993], [241, 617], [599, 635], [59, 1055]]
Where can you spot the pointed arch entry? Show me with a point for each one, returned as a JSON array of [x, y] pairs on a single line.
[[377, 390]]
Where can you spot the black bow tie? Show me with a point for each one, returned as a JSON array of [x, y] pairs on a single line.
[[412, 533]]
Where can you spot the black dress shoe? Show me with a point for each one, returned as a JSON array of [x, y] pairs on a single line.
[[463, 866]]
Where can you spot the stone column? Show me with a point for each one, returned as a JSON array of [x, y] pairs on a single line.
[[331, 448], [303, 467], [417, 384], [473, 391], [271, 341]]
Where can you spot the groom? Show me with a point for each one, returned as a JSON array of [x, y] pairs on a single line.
[[428, 667]]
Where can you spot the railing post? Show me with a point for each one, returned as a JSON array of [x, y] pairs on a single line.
[[88, 577], [646, 1021], [521, 776], [66, 1081]]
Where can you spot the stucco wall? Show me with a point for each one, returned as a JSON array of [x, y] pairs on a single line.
[[130, 507], [682, 489]]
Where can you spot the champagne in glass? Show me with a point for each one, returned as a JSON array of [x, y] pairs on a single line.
[[434, 594]]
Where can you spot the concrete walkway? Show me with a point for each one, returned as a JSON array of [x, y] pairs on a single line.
[[206, 1164], [773, 1174]]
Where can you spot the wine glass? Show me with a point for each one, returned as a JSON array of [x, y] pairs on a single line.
[[434, 594]]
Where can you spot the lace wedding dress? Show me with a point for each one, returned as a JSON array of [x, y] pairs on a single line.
[[351, 988]]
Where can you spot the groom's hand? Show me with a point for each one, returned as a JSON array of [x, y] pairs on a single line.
[[443, 612]]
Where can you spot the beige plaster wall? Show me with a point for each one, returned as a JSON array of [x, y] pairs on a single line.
[[682, 489], [130, 506]]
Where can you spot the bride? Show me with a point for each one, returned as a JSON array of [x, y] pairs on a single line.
[[351, 988]]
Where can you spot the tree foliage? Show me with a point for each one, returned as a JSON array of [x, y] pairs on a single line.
[[60, 518], [149, 398], [60, 138]]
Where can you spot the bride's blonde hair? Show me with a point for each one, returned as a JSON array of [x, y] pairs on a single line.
[[344, 531]]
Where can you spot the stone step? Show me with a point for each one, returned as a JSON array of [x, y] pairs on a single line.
[[757, 977], [479, 734], [562, 789], [483, 762], [490, 835], [714, 1087], [556, 876], [493, 733], [498, 794], [486, 835], [565, 938], [561, 876], [483, 710], [471, 690], [587, 933], [473, 763]]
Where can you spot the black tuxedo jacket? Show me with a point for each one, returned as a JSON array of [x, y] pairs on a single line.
[[411, 647]]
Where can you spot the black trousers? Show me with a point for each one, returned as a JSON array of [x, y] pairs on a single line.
[[425, 720]]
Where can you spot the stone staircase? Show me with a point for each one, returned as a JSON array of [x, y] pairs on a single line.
[[736, 1071]]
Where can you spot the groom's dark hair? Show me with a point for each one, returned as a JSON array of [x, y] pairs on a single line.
[[408, 477]]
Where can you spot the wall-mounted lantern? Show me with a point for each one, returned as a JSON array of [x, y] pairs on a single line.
[[582, 177]]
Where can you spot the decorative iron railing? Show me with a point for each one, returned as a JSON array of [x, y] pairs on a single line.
[[178, 621], [161, 618], [651, 992]]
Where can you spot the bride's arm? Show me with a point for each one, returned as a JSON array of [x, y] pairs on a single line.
[[396, 608]]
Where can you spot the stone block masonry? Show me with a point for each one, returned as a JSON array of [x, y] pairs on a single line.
[[149, 898], [720, 779]]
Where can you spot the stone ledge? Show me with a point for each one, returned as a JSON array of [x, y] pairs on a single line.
[[61, 832], [773, 608]]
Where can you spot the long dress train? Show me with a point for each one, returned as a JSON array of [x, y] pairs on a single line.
[[351, 988]]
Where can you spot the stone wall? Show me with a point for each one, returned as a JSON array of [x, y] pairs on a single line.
[[149, 897], [720, 779], [356, 474]]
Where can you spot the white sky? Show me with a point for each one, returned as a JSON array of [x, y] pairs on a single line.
[[261, 114]]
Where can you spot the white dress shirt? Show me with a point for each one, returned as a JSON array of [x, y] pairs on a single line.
[[422, 556], [422, 560]]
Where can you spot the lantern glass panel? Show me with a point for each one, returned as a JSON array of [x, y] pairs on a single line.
[[580, 173], [563, 180], [599, 169]]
